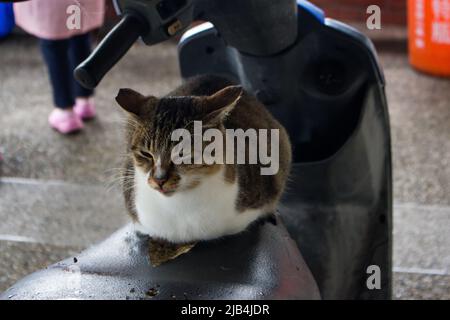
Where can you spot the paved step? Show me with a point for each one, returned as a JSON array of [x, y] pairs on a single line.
[[18, 259], [422, 238], [421, 252], [59, 213], [413, 286], [44, 222], [419, 114]]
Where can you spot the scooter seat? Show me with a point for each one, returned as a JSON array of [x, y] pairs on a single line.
[[260, 263]]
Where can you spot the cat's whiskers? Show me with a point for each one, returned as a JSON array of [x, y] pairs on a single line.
[[118, 177], [130, 187], [124, 186]]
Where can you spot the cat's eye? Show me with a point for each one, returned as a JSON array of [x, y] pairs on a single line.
[[146, 154]]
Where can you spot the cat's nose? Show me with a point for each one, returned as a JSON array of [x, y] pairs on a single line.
[[160, 180]]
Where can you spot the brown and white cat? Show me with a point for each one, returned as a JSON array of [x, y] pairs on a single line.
[[191, 202]]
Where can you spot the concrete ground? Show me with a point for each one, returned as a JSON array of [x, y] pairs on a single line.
[[59, 194]]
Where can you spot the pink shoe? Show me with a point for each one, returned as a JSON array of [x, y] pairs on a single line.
[[85, 109], [65, 121]]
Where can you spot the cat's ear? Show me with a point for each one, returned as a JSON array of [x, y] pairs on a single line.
[[132, 101], [222, 103]]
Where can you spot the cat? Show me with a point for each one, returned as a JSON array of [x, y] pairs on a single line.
[[191, 202]]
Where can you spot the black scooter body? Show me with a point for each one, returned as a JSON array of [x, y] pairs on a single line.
[[328, 91]]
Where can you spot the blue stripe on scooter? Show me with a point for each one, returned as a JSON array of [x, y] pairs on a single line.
[[313, 9]]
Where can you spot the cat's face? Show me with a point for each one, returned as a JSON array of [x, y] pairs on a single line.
[[151, 124], [151, 149]]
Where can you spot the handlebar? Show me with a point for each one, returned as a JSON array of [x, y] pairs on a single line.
[[110, 50], [255, 27]]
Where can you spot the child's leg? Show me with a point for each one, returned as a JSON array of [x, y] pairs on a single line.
[[55, 56], [79, 50], [62, 118]]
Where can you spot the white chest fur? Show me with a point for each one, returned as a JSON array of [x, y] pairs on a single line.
[[205, 212]]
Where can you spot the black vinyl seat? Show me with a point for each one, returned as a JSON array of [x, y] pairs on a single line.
[[260, 263]]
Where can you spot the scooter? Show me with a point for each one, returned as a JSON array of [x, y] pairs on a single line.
[[332, 236]]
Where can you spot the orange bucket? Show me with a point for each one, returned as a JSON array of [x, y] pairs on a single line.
[[429, 35]]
